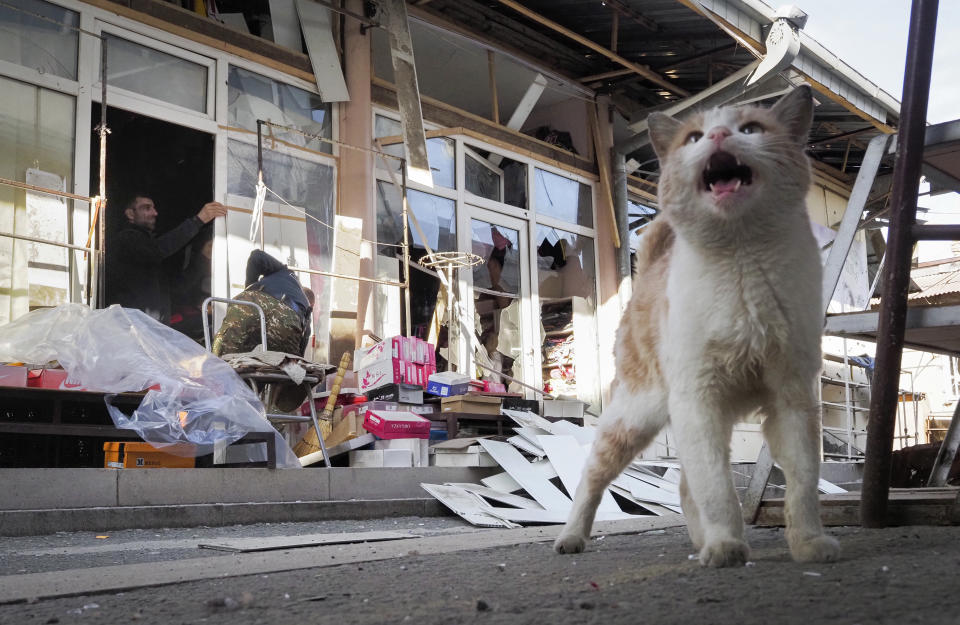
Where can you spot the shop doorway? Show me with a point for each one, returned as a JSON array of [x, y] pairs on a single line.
[[500, 297], [174, 166]]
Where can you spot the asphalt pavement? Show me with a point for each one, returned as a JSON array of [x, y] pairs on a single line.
[[445, 571]]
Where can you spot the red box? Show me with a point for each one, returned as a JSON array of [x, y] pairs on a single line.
[[12, 375], [51, 378], [390, 424], [494, 387]]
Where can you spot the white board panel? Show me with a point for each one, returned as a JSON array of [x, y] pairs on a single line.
[[540, 488], [568, 458], [317, 33]]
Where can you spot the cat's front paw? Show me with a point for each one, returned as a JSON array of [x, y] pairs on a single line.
[[724, 553], [569, 542], [820, 548]]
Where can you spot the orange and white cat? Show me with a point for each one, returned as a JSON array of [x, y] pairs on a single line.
[[725, 319]]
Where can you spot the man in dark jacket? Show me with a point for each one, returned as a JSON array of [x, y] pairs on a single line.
[[135, 256], [286, 306]]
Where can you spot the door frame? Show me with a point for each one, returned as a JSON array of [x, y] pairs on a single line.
[[464, 279]]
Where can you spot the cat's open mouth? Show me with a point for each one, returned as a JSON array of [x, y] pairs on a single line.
[[724, 174]]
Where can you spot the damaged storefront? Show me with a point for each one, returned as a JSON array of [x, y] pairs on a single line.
[[301, 118]]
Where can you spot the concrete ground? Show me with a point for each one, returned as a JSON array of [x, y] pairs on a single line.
[[454, 573]]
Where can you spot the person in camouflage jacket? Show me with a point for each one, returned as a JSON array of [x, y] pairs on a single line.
[[286, 305]]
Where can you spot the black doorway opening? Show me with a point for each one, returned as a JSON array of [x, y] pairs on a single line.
[[173, 165]]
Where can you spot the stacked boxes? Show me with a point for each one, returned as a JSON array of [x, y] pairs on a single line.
[[397, 360]]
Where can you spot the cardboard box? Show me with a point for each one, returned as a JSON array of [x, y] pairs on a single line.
[[51, 378], [418, 447], [471, 404], [373, 458], [472, 456], [366, 356], [402, 393], [349, 427], [563, 408], [391, 371], [12, 375], [521, 404], [387, 424], [139, 455], [448, 384], [394, 406]]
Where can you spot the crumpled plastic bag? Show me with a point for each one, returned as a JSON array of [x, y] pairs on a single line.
[[201, 400]]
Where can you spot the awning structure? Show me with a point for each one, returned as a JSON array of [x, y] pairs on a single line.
[[929, 328]]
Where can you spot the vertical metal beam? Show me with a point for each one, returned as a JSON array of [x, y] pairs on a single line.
[[893, 306], [948, 451]]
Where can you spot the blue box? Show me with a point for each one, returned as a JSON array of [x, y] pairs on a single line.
[[448, 384]]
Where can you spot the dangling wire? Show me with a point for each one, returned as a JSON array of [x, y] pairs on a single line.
[[258, 209]]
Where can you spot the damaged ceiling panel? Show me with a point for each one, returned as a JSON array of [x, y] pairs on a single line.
[[651, 54]]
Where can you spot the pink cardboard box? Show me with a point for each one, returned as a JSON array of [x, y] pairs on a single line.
[[12, 375], [383, 372], [366, 356], [388, 424]]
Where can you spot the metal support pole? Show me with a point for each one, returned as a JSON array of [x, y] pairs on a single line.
[[947, 452], [406, 244], [260, 173], [893, 307], [100, 214]]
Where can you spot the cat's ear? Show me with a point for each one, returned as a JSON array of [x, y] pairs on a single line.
[[795, 111], [663, 130]]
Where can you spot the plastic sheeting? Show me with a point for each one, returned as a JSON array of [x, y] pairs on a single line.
[[201, 400]]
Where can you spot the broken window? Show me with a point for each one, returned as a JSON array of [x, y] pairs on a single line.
[[566, 273], [251, 96], [40, 36], [298, 217], [156, 74], [563, 198], [495, 177], [37, 132], [441, 152], [436, 215], [483, 178]]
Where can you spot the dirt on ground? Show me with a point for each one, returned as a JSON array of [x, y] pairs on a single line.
[[896, 575]]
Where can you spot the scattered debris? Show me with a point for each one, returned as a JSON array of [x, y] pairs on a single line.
[[549, 473]]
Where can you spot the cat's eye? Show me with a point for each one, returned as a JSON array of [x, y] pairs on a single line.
[[693, 137], [751, 128]]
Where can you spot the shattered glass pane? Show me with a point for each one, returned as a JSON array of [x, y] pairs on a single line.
[[297, 225], [567, 277], [482, 178], [437, 217], [47, 45], [563, 198], [441, 152], [251, 96]]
